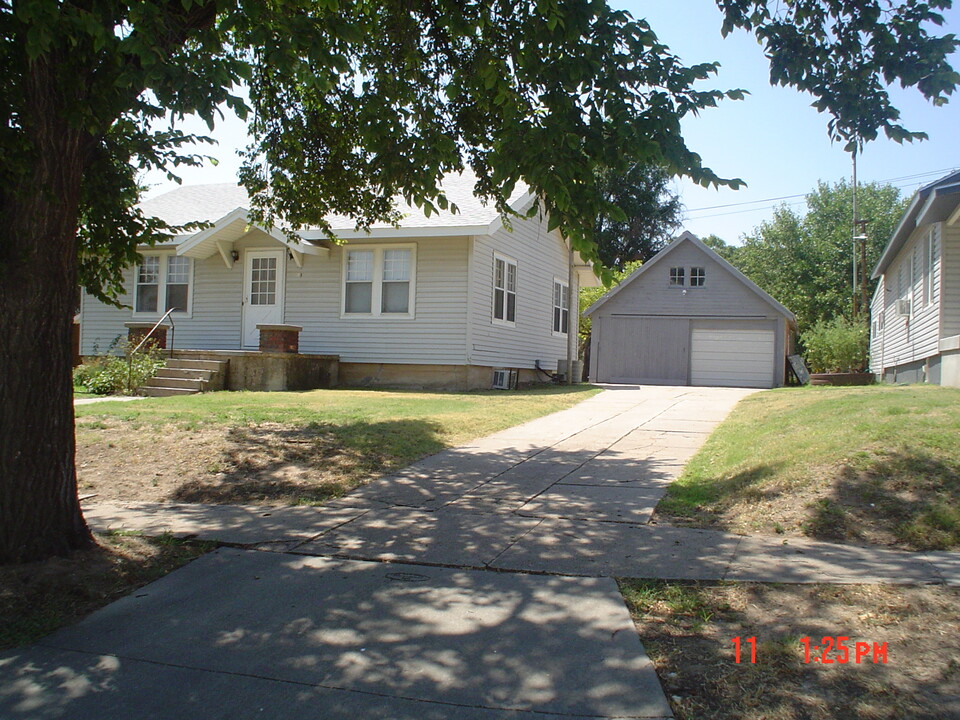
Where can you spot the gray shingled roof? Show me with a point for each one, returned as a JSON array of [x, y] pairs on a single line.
[[208, 203]]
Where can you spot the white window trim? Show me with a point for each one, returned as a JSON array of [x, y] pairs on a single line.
[[376, 296], [553, 306], [930, 253], [493, 280], [162, 288]]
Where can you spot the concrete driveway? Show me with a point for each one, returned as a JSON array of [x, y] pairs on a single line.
[[322, 627]]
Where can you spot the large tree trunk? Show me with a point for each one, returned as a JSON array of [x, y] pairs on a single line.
[[39, 510]]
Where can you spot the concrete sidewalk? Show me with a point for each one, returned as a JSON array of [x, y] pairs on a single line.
[[567, 494]]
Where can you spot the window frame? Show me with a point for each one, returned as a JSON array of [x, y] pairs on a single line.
[[558, 282], [376, 290], [161, 284], [507, 263], [930, 256], [677, 277], [702, 277]]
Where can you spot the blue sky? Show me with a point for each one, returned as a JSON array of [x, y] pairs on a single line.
[[773, 139]]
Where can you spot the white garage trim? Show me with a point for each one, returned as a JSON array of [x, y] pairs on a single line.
[[732, 358]]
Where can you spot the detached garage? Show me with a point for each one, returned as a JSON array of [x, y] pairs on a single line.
[[688, 317]]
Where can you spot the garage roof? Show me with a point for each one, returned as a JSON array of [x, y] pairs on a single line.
[[691, 238]]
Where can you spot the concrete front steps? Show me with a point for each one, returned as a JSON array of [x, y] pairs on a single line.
[[186, 377]]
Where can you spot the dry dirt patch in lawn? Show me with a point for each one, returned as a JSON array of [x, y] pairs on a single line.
[[688, 630], [37, 598], [265, 463]]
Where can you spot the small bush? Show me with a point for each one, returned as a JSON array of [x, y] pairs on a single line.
[[838, 345], [110, 374]]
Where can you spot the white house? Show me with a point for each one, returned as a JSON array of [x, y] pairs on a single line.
[[688, 317], [440, 301], [915, 311]]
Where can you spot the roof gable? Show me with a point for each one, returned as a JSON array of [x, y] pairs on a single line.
[[660, 258], [936, 202]]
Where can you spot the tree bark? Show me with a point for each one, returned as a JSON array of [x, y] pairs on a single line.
[[39, 510]]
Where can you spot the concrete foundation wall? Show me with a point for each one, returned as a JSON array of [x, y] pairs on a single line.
[[950, 368], [273, 371], [427, 377]]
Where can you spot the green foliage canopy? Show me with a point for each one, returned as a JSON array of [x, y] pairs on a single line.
[[805, 261], [647, 215], [354, 102]]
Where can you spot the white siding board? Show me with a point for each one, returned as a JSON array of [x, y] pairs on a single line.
[[722, 295], [909, 339], [951, 281], [541, 256]]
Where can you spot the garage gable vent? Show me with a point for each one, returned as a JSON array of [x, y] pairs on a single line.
[[504, 379]]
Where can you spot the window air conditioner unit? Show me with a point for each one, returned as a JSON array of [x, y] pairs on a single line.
[[903, 308], [504, 379]]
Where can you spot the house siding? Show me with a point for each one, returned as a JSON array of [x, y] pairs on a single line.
[[877, 327], [312, 299], [541, 256], [910, 339], [722, 295], [434, 336], [950, 258]]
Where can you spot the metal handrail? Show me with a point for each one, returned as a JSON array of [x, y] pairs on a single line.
[[173, 329]]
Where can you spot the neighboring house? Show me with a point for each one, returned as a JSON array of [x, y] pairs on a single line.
[[688, 317], [915, 311], [439, 301]]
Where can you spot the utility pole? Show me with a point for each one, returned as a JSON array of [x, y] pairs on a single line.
[[853, 284], [861, 240]]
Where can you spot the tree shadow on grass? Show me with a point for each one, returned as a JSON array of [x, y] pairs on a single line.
[[275, 464], [908, 498], [702, 504]]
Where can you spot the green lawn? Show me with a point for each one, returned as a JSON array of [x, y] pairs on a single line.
[[284, 447], [863, 465]]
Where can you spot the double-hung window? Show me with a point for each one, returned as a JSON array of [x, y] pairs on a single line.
[[504, 290], [379, 281], [561, 307], [163, 283]]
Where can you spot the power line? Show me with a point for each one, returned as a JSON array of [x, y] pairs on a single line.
[[803, 195], [891, 181]]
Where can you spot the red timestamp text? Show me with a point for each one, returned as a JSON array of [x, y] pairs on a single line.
[[839, 650], [831, 650]]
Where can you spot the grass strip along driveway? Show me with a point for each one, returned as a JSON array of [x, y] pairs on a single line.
[[874, 465], [284, 448]]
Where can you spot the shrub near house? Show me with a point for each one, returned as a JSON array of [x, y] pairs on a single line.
[[837, 346]]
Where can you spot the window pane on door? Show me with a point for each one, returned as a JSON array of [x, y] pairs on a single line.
[[263, 281]]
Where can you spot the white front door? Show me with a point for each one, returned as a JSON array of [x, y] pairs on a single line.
[[263, 282]]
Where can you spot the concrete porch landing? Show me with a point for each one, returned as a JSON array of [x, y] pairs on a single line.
[[268, 371]]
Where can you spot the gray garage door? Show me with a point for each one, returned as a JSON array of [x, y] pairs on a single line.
[[648, 351], [732, 358]]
